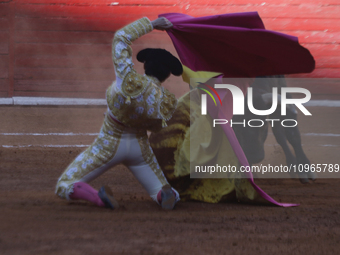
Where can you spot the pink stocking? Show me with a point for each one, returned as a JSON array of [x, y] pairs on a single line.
[[159, 197], [84, 191]]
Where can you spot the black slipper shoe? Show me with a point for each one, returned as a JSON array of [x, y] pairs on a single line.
[[168, 198], [106, 196]]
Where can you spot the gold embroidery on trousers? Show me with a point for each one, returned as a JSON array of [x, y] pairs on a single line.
[[149, 157], [98, 154]]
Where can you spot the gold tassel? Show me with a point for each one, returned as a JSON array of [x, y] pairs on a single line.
[[164, 124], [128, 100]]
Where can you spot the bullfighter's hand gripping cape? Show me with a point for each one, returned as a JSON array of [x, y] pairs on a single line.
[[235, 45]]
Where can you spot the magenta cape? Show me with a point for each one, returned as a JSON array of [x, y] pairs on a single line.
[[236, 45]]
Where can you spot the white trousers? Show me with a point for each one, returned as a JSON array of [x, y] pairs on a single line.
[[115, 144]]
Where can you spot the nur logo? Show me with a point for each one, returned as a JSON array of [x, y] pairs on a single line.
[[238, 99], [204, 96], [239, 104]]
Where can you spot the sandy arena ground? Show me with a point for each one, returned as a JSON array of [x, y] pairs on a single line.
[[33, 220]]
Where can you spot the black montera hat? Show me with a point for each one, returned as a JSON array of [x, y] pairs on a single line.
[[162, 57]]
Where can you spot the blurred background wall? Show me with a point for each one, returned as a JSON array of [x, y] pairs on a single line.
[[62, 48]]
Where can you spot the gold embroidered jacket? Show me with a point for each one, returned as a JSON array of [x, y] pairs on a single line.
[[137, 101]]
